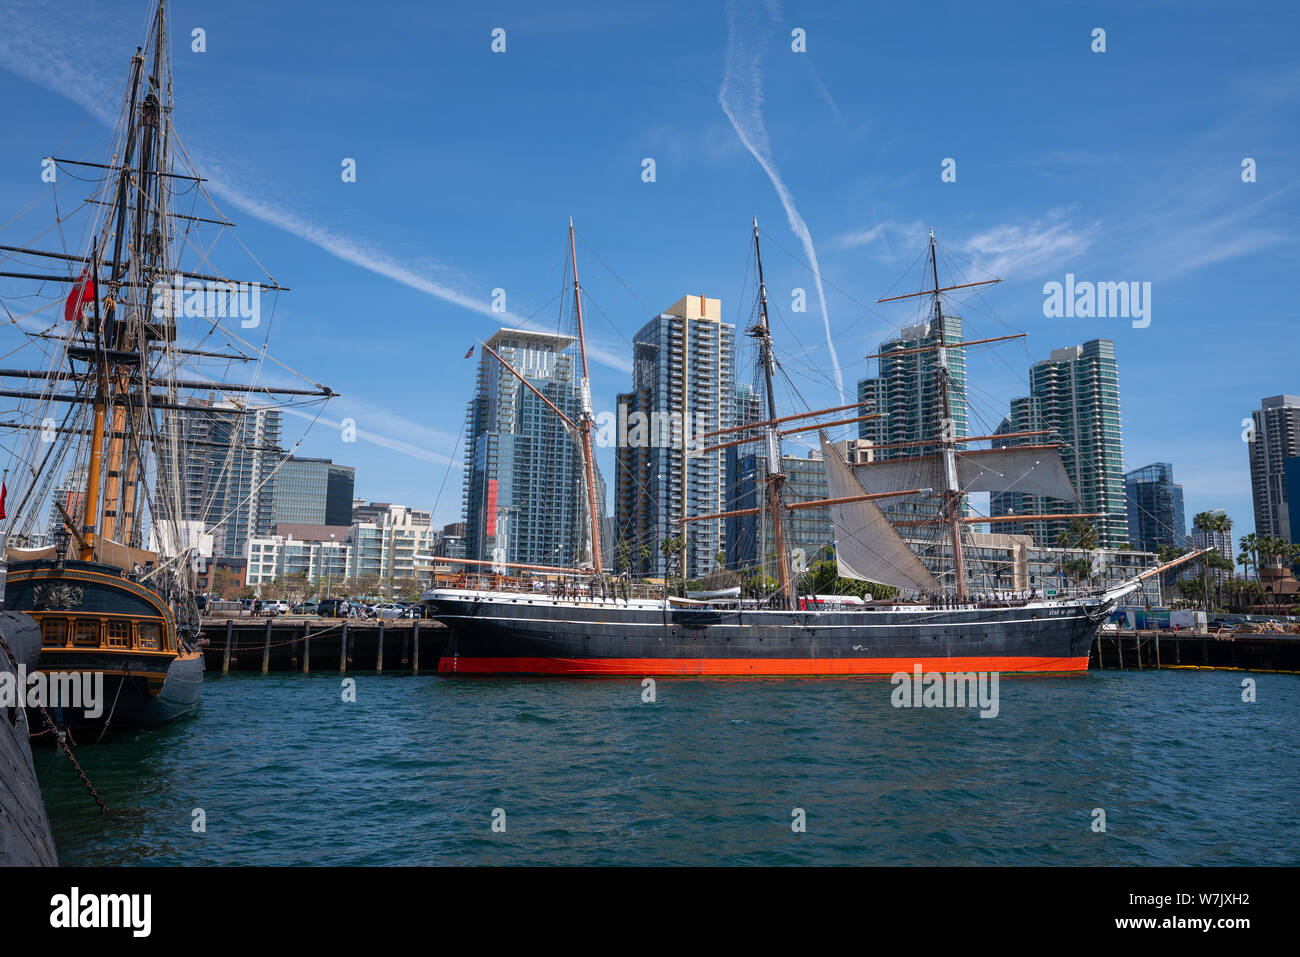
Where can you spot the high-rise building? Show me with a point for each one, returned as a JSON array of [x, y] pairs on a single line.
[[523, 499], [1291, 472], [1155, 508], [808, 532], [71, 495], [313, 492], [1074, 394], [905, 397], [227, 462], [1276, 438], [682, 388]]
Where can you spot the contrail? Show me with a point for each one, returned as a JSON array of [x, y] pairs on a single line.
[[741, 98]]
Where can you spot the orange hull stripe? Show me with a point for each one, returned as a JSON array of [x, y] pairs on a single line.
[[455, 664]]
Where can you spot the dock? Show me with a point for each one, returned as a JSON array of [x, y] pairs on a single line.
[[337, 645], [1128, 650]]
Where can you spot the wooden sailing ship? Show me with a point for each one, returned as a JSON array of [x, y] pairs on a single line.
[[131, 362], [941, 625]]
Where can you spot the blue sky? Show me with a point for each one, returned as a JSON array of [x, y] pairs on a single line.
[[1115, 166]]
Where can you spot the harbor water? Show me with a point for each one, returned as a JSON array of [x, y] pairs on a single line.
[[280, 770]]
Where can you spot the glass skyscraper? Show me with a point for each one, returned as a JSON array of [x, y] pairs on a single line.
[[523, 490], [313, 492], [227, 458], [1074, 394], [683, 362], [905, 395], [1155, 508]]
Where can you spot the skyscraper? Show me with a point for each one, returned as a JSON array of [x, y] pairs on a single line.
[[227, 468], [313, 492], [1074, 394], [1155, 508], [683, 363], [905, 396], [1276, 438], [750, 537], [523, 491]]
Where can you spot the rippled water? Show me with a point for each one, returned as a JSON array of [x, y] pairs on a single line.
[[586, 773]]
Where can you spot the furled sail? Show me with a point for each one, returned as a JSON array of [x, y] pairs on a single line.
[[866, 546], [1033, 470]]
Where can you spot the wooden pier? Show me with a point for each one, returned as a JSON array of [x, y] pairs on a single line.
[[1243, 651], [400, 646]]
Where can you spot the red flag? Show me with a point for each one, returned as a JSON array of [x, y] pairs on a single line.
[[82, 292], [4, 490], [470, 353]]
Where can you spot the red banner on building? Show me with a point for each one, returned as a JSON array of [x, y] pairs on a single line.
[[492, 507]]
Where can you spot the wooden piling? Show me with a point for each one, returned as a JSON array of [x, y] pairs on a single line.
[[379, 648], [1098, 651], [266, 648], [1157, 651], [1119, 647], [225, 661], [415, 642], [343, 650], [306, 647]]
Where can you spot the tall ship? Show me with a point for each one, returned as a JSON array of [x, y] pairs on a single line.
[[592, 624], [133, 338]]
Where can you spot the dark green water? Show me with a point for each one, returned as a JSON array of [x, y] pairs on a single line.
[[586, 773]]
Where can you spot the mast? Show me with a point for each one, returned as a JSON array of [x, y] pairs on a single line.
[[775, 477], [585, 418], [947, 443]]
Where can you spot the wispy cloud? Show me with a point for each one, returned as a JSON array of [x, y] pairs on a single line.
[[1022, 249], [741, 98]]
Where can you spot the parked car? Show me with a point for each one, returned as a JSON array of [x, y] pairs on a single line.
[[389, 610], [329, 608], [275, 606], [305, 608]]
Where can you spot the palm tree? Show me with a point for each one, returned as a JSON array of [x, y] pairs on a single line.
[[674, 548], [1250, 545], [1206, 522]]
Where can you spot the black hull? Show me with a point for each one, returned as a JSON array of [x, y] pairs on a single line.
[[128, 699], [496, 634]]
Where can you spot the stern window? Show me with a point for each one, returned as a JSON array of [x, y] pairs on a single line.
[[85, 631], [149, 635], [119, 634], [54, 631]]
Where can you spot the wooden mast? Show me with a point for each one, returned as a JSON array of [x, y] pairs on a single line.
[[947, 443], [585, 418], [775, 477]]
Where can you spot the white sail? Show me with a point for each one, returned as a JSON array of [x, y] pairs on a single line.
[[1033, 471], [866, 546]]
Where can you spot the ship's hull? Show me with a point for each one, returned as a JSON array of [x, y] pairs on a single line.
[[492, 633], [111, 652], [138, 691]]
